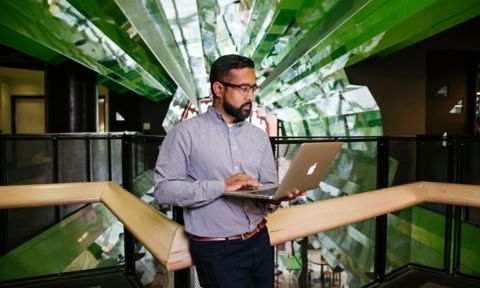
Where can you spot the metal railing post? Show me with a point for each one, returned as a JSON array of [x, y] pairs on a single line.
[[109, 156], [88, 162], [457, 238], [457, 148], [381, 221], [450, 209], [56, 173], [448, 238], [127, 183]]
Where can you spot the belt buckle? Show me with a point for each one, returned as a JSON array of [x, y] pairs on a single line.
[[247, 235]]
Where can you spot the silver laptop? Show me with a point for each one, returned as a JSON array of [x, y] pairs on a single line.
[[307, 169]]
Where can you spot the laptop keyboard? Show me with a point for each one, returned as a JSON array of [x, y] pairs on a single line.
[[267, 192]]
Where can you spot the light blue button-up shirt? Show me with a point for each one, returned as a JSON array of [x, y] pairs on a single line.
[[195, 159]]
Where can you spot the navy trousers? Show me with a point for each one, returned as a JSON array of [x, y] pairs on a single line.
[[234, 263]]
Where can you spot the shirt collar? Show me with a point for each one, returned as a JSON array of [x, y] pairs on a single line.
[[218, 116]]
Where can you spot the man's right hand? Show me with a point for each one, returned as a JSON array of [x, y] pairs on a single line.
[[240, 180]]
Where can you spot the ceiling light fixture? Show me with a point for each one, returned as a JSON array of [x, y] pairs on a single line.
[[80, 42]]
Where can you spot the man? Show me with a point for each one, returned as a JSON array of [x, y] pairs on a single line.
[[209, 154]]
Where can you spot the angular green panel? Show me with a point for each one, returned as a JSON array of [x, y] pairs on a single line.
[[374, 27], [322, 29], [368, 31], [15, 40], [110, 84], [401, 36], [106, 16], [284, 14], [151, 23], [470, 250], [311, 13], [60, 27], [183, 19], [258, 19], [314, 11], [415, 235], [207, 15], [292, 39]]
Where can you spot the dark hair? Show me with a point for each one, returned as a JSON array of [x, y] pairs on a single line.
[[224, 64]]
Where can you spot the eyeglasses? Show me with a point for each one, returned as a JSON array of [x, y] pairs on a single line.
[[244, 88]]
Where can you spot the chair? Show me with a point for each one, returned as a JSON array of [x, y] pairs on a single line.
[[320, 261], [337, 274], [328, 275], [292, 264]]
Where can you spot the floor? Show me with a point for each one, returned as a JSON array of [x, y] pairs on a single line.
[[410, 277], [110, 280], [290, 280], [419, 278]]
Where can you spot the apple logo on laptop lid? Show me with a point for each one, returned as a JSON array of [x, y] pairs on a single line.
[[311, 169]]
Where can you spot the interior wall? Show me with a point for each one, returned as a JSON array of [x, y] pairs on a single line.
[[153, 115], [27, 86], [140, 113], [5, 107], [18, 82], [128, 106], [398, 81], [29, 115], [24, 82], [450, 93]]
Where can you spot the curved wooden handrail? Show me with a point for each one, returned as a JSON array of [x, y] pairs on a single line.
[[152, 228], [167, 240]]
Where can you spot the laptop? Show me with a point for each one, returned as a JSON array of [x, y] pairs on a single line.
[[307, 169]]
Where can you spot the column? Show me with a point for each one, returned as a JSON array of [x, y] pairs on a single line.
[[71, 98]]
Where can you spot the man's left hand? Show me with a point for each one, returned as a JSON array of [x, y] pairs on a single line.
[[292, 195]]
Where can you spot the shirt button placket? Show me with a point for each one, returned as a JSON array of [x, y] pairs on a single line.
[[233, 149]]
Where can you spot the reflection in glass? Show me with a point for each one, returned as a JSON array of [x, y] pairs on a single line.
[[90, 238], [470, 252], [147, 267], [176, 111], [350, 248]]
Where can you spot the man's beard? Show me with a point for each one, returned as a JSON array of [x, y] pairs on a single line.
[[238, 113]]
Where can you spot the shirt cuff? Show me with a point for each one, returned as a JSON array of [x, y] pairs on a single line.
[[217, 188]]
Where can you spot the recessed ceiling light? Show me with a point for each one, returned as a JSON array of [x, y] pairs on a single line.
[[80, 42]]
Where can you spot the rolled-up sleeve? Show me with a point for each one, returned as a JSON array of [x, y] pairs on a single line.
[[267, 171], [267, 174], [172, 183]]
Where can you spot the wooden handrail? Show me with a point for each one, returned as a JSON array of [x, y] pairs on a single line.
[[152, 228], [167, 240]]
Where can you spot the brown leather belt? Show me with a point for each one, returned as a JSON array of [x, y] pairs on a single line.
[[243, 236]]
